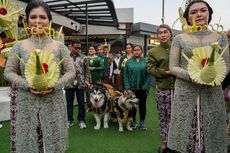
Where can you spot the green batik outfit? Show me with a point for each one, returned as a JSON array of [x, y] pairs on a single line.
[[106, 65], [97, 63]]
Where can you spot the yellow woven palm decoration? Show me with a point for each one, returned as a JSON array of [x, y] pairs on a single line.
[[206, 66], [9, 15], [41, 70]]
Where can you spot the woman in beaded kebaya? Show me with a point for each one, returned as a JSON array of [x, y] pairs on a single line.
[[44, 106], [198, 116]]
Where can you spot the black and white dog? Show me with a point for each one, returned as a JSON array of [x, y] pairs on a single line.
[[98, 98]]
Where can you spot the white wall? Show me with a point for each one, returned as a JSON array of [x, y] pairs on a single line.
[[125, 15], [136, 40]]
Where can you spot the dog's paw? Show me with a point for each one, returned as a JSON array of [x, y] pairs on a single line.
[[97, 127], [129, 129], [106, 126], [120, 129]]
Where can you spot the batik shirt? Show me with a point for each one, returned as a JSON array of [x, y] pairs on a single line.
[[82, 71]]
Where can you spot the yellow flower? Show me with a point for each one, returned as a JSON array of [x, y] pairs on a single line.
[[124, 62]]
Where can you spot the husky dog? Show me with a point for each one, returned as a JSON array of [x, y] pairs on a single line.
[[99, 102], [123, 107]]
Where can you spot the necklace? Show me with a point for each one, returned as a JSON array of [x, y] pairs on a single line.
[[40, 42]]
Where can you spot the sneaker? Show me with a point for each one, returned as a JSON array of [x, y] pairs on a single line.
[[165, 150], [82, 125], [143, 126], [70, 124], [133, 125]]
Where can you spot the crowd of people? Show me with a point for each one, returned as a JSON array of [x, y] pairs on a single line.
[[192, 116]]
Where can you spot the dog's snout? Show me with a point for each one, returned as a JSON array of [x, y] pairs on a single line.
[[96, 99]]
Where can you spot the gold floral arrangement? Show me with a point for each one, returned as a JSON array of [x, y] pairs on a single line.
[[207, 66], [9, 14]]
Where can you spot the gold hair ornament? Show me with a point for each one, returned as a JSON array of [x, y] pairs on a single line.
[[195, 28], [48, 31]]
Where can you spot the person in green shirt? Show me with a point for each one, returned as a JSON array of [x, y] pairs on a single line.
[[122, 62], [100, 53], [137, 79], [96, 65], [158, 67]]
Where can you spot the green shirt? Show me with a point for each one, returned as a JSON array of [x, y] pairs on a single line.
[[96, 65], [135, 74], [158, 63], [106, 65]]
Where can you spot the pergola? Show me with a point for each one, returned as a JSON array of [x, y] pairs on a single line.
[[88, 12]]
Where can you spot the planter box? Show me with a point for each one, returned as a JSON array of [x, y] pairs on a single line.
[[4, 103]]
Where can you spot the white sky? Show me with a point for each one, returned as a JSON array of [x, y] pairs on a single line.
[[150, 11]]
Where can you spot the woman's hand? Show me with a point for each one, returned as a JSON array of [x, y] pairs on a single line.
[[228, 95], [91, 68], [168, 72], [41, 93], [87, 85], [194, 82]]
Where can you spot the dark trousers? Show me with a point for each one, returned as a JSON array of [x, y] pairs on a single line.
[[70, 94], [142, 96]]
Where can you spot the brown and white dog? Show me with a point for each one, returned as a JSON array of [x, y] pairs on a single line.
[[125, 103], [122, 104]]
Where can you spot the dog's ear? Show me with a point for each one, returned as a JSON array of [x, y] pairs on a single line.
[[91, 87], [131, 92], [118, 92]]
